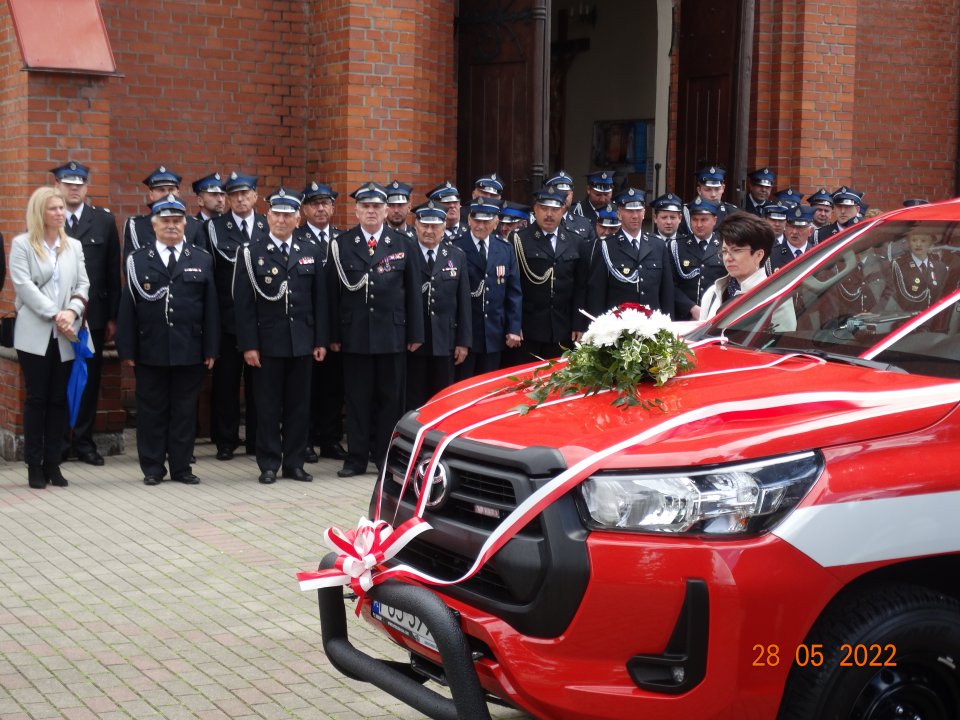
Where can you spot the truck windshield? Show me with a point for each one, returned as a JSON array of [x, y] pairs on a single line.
[[886, 293]]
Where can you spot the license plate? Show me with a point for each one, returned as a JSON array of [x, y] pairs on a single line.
[[405, 623]]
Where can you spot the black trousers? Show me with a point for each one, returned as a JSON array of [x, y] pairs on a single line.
[[374, 391], [477, 364], [45, 410], [326, 401], [426, 376], [82, 432], [167, 416], [225, 397], [281, 386]]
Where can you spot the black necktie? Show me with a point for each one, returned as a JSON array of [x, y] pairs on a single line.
[[797, 252], [482, 245], [549, 237], [171, 260], [430, 260], [323, 236], [73, 224], [243, 228], [284, 251]]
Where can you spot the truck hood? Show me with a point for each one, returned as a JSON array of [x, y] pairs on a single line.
[[736, 404]]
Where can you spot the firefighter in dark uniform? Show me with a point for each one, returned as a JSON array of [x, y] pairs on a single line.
[[168, 330], [398, 208], [822, 203], [449, 197], [846, 203], [553, 264], [376, 318], [599, 194], [96, 230], [631, 266], [711, 183], [138, 229], [225, 236], [496, 300], [280, 299], [211, 198], [799, 238], [608, 222], [775, 215], [919, 278], [445, 286], [697, 261], [759, 186], [489, 187], [326, 385], [562, 184]]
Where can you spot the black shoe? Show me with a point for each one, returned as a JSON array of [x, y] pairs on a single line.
[[54, 476], [224, 453], [152, 480], [187, 478], [268, 477], [310, 455], [91, 458], [348, 471], [35, 477], [193, 459], [297, 474], [335, 452]]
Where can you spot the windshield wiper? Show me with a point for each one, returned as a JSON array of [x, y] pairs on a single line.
[[837, 357]]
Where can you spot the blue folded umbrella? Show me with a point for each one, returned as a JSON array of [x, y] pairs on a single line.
[[78, 373]]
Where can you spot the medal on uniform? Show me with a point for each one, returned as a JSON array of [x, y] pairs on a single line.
[[626, 271], [146, 286], [686, 263], [260, 262], [268, 279], [273, 270]]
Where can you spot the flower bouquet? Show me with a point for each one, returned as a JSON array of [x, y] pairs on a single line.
[[621, 349]]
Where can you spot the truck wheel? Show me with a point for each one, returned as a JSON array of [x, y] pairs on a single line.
[[890, 653]]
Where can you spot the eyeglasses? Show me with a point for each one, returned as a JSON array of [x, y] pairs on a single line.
[[734, 251]]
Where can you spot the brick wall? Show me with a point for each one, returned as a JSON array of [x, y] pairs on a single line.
[[906, 107], [862, 92]]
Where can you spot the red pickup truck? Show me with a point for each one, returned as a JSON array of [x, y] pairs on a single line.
[[778, 538]]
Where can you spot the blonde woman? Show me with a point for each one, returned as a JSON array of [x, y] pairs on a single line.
[[50, 279]]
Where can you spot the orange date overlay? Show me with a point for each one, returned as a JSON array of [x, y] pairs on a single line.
[[815, 655]]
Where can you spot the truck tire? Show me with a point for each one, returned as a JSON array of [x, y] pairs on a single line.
[[886, 653]]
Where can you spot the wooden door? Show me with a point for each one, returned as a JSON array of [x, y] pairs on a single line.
[[502, 111], [707, 120]]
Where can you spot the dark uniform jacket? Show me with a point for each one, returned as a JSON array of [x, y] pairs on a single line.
[[782, 254], [585, 210], [385, 311], [456, 231], [694, 270], [97, 232], [496, 299], [224, 238], [323, 246], [917, 289], [551, 308], [446, 301], [280, 304], [621, 274], [821, 234], [166, 319], [752, 206], [138, 232]]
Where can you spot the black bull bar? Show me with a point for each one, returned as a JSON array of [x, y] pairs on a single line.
[[397, 678]]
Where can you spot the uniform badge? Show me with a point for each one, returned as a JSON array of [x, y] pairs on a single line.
[[626, 270], [268, 279], [686, 263], [229, 225], [146, 286], [260, 224], [260, 262], [274, 270], [297, 248], [916, 281], [915, 288]]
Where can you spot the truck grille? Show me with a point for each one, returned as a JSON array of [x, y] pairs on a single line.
[[536, 580]]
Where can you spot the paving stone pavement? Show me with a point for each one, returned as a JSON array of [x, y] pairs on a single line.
[[119, 600]]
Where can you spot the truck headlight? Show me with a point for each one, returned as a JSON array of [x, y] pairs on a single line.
[[721, 500]]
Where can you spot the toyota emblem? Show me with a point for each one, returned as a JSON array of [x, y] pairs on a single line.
[[438, 485]]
